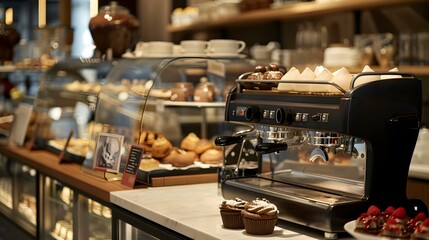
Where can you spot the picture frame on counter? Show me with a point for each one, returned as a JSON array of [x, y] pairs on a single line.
[[108, 152]]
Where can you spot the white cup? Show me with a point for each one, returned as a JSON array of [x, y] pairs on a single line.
[[160, 48], [225, 47], [141, 48], [193, 47], [260, 52], [177, 50]]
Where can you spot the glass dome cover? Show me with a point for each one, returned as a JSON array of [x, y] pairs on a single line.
[[137, 103]]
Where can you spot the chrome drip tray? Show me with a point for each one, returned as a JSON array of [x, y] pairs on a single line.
[[262, 185]]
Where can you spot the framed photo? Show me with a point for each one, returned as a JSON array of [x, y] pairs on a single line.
[[108, 152]]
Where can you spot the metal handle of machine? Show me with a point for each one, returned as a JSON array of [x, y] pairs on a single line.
[[264, 148], [228, 140], [355, 77]]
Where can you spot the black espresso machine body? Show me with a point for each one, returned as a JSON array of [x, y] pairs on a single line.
[[384, 115]]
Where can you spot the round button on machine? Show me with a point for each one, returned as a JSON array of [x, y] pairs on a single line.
[[280, 115], [252, 113]]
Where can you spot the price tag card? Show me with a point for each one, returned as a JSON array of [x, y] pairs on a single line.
[[61, 156], [132, 166], [20, 124]]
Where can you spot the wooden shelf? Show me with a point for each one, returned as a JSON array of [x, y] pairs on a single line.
[[291, 11]]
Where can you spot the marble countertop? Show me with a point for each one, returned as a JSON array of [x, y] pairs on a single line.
[[192, 210]]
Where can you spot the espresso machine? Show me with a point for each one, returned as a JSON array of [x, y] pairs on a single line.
[[324, 158]]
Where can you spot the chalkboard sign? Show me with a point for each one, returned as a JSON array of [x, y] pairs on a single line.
[[132, 165]]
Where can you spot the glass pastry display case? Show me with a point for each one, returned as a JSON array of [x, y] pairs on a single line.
[[18, 194], [172, 107], [133, 227], [65, 104], [70, 215]]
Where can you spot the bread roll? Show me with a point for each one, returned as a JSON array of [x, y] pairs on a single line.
[[189, 142], [148, 164], [212, 156], [161, 147], [180, 158], [203, 145]]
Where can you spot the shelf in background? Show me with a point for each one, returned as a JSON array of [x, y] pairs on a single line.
[[291, 11]]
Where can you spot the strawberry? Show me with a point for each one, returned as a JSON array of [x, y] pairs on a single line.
[[389, 210], [391, 221], [400, 213], [420, 217], [426, 222], [374, 210]]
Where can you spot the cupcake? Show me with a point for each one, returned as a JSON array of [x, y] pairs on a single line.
[[260, 217], [230, 211]]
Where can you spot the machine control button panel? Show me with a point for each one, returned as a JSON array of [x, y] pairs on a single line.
[[317, 117], [304, 117], [325, 117], [298, 117], [266, 114]]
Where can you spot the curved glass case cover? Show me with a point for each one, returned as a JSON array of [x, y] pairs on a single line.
[[164, 106], [65, 105]]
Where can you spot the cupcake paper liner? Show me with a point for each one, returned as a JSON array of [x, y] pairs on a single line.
[[232, 219], [259, 226]]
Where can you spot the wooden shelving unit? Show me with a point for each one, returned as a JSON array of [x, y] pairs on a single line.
[[292, 11]]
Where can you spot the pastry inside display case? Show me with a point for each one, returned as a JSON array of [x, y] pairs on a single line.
[[59, 210], [5, 182], [60, 215], [26, 193], [172, 108], [65, 105]]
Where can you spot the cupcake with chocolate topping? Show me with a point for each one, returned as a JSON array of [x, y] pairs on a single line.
[[260, 217], [230, 211]]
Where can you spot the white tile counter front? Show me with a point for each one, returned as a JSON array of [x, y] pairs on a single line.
[[192, 210]]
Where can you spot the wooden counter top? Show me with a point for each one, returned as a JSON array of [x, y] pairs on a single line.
[[70, 174]]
